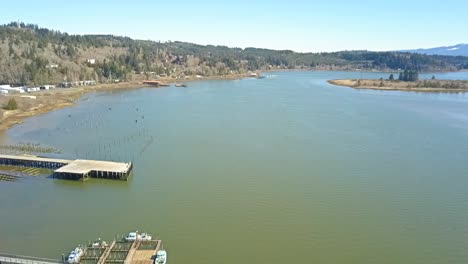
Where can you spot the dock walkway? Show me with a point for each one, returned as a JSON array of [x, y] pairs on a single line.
[[73, 169], [18, 259], [119, 252]]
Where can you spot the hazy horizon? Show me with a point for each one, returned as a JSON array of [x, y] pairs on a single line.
[[297, 25]]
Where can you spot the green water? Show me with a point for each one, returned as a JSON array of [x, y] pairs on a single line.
[[283, 169]]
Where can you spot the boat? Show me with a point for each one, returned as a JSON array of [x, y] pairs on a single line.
[[161, 257], [75, 255], [145, 237], [180, 85], [99, 243], [132, 236]]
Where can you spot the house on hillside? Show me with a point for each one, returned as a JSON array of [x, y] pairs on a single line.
[[91, 61]]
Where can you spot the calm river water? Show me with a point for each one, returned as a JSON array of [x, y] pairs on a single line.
[[283, 169]]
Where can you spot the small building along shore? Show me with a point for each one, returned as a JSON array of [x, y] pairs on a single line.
[[9, 89], [6, 88]]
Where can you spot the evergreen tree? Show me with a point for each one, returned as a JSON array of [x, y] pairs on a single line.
[[391, 78], [409, 76], [11, 105], [413, 76], [406, 75]]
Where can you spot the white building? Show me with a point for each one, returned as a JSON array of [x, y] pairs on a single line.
[[91, 61], [46, 87], [32, 89], [3, 91], [12, 89]]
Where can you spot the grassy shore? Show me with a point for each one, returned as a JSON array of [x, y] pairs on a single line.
[[46, 101], [448, 86]]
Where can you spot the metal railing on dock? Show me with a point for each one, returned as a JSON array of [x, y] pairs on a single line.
[[19, 259]]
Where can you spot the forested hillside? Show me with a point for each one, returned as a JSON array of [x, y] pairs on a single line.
[[33, 55]]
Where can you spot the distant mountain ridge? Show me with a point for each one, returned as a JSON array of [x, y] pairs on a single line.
[[456, 50]]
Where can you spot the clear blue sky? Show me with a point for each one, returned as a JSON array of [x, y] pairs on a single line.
[[288, 24]]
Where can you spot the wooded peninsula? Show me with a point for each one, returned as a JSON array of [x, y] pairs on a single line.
[[432, 85]]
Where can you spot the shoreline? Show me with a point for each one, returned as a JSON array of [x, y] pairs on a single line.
[[58, 98], [393, 86]]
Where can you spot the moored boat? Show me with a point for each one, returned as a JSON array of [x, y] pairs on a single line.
[[99, 243], [75, 255], [161, 257], [145, 237], [132, 236]]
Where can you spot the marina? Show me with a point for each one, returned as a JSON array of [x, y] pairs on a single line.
[[73, 169], [137, 251]]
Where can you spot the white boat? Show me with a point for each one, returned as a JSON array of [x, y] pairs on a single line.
[[161, 257], [75, 255], [132, 236], [99, 244], [145, 237]]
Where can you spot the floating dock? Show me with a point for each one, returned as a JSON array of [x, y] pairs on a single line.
[[155, 83], [117, 252], [73, 169], [123, 252]]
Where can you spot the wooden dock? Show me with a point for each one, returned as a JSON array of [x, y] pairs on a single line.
[[117, 252], [143, 252], [106, 253], [155, 83], [137, 252], [73, 169]]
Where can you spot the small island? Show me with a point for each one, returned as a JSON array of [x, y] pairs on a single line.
[[407, 81]]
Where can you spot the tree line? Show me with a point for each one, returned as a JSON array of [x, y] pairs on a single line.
[[34, 55]]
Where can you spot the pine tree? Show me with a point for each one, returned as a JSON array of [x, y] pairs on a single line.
[[406, 75], [413, 76], [391, 78], [11, 105]]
